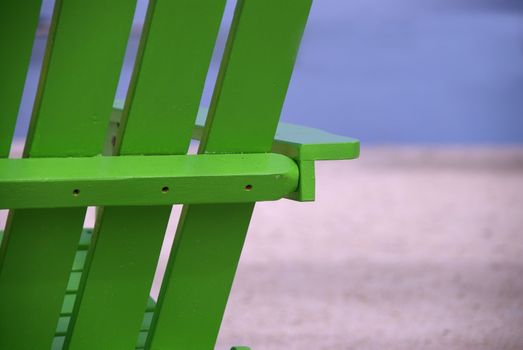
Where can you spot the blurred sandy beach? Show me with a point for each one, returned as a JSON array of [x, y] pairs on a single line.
[[405, 248]]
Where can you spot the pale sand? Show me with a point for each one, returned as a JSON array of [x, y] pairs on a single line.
[[404, 249]]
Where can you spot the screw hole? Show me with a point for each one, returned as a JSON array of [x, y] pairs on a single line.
[[248, 187], [76, 192], [165, 189]]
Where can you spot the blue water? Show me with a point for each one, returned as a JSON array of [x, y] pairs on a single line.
[[397, 71]]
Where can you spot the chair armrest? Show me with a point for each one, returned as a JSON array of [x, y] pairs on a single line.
[[303, 144], [295, 141]]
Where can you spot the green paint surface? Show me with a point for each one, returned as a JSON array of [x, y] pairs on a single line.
[[168, 83], [18, 23], [243, 116], [107, 304], [158, 117], [82, 63], [145, 180]]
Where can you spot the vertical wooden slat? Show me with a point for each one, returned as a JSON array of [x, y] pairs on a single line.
[[18, 23], [159, 116], [82, 63], [244, 113]]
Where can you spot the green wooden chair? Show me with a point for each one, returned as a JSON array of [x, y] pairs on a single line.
[[65, 287]]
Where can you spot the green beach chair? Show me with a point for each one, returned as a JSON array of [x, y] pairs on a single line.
[[65, 287]]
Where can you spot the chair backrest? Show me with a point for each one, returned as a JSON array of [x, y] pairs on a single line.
[[107, 302]]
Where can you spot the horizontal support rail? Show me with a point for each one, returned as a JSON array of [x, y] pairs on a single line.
[[145, 180]]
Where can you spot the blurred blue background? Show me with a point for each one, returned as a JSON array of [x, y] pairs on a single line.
[[389, 71], [412, 71]]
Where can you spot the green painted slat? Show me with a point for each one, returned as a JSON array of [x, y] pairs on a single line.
[[74, 282], [68, 304], [34, 274], [80, 73], [142, 338], [203, 262], [161, 108], [18, 23], [79, 260], [63, 323], [255, 73], [113, 280], [166, 93], [146, 322], [85, 238], [244, 113], [83, 70], [65, 317], [58, 343]]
